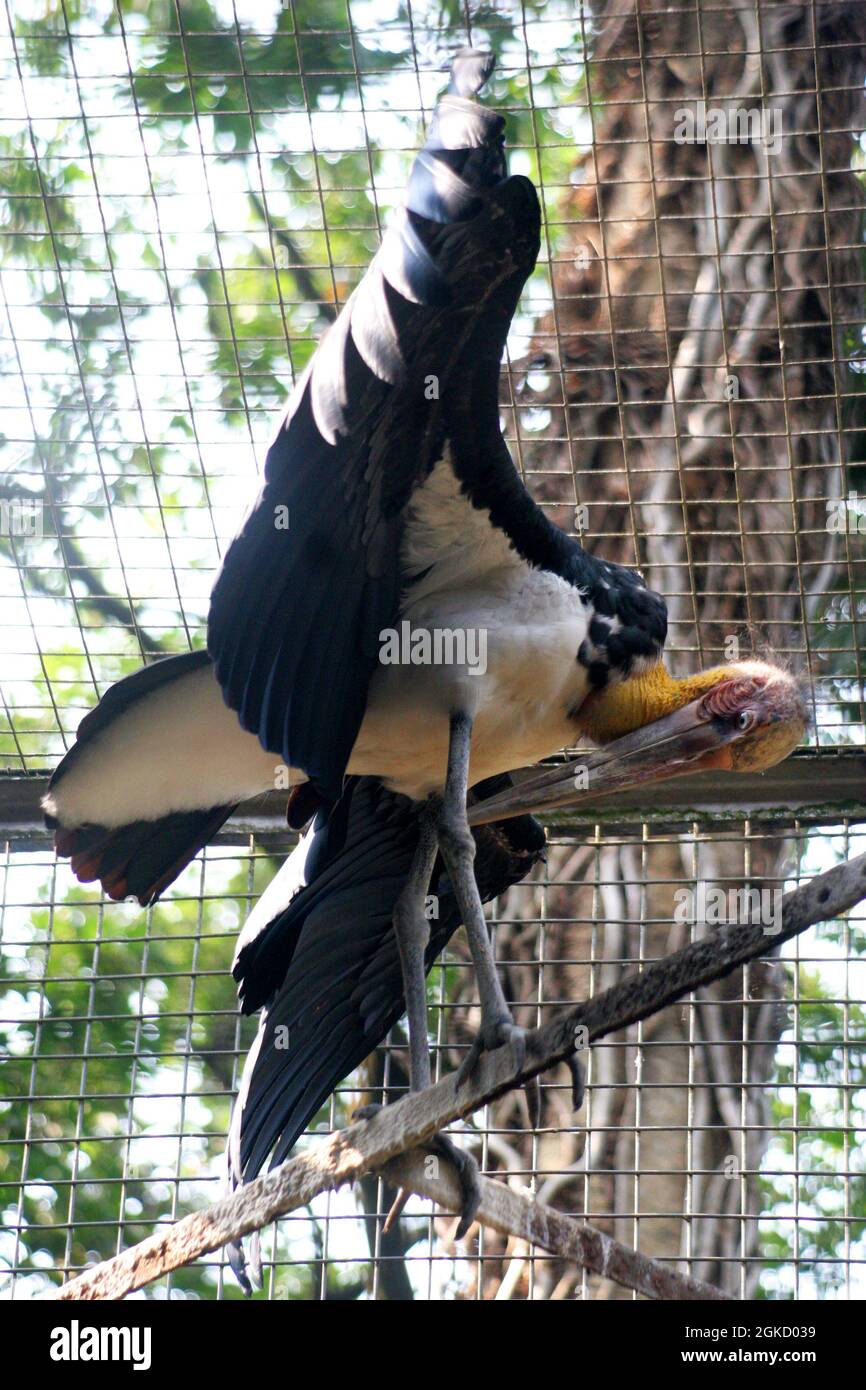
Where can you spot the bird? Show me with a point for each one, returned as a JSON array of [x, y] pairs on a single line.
[[395, 623], [318, 957]]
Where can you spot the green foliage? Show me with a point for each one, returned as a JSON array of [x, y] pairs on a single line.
[[121, 1033]]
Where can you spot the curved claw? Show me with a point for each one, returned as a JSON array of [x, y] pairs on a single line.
[[578, 1081], [464, 1164], [467, 1175], [504, 1031], [532, 1091], [470, 1061]]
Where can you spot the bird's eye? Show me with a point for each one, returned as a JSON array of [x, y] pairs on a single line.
[[746, 719]]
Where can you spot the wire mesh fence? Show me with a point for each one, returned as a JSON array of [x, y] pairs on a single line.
[[191, 191], [125, 1044]]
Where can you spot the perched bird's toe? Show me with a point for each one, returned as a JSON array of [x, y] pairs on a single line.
[[468, 1177], [490, 1037], [366, 1112], [578, 1081]]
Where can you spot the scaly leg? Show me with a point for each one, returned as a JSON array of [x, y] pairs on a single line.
[[458, 851], [412, 930], [413, 933]]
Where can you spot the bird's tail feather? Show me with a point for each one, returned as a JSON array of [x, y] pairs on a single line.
[[155, 770], [138, 860], [328, 965]]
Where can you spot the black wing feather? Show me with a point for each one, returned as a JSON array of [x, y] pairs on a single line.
[[327, 964], [360, 432]]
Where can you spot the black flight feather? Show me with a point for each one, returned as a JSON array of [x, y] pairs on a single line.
[[326, 963], [296, 613]]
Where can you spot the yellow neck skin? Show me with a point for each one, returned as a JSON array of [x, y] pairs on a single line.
[[619, 709]]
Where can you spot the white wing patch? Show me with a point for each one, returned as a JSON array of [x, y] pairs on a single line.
[[178, 749]]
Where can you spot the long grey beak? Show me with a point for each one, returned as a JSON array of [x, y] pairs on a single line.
[[689, 740]]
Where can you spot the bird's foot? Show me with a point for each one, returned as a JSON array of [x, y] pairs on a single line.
[[464, 1165], [497, 1033], [503, 1031], [366, 1112], [467, 1175]]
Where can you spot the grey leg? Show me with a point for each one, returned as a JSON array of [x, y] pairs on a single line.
[[413, 933], [458, 851], [412, 930]]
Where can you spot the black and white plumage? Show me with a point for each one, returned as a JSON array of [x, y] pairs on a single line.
[[403, 505], [403, 502], [319, 956], [404, 509]]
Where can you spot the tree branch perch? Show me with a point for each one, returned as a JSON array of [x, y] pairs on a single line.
[[517, 1214], [371, 1144]]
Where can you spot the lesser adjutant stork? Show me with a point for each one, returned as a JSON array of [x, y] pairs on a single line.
[[397, 622]]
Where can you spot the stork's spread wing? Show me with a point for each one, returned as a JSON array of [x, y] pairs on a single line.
[[324, 957], [314, 575]]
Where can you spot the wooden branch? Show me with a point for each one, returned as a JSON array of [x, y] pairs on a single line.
[[516, 1214], [369, 1145]]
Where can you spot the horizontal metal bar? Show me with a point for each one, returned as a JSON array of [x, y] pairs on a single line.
[[814, 787]]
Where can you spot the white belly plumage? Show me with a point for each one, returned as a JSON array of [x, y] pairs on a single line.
[[525, 629], [524, 624]]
